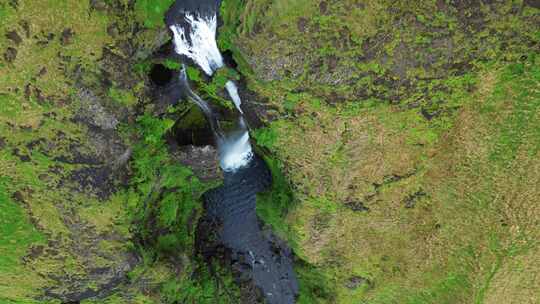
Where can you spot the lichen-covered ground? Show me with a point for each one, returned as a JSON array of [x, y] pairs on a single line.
[[404, 139]]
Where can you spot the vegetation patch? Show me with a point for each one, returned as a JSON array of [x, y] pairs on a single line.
[[151, 12]]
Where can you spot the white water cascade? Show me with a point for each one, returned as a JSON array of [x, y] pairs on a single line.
[[199, 44], [233, 92]]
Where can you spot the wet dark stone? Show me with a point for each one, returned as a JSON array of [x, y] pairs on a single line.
[[14, 36], [229, 60], [198, 137], [10, 55], [67, 36], [168, 94], [161, 75], [176, 13]]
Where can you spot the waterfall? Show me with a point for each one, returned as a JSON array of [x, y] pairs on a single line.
[[233, 92], [235, 151], [267, 263], [199, 44]]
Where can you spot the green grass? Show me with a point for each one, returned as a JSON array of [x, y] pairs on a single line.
[[519, 83], [17, 235], [273, 205]]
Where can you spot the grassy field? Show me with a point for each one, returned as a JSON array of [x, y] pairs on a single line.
[[409, 137]]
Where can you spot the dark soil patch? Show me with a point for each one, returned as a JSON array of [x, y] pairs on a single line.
[[14, 36], [357, 206], [95, 179], [10, 55], [411, 199]]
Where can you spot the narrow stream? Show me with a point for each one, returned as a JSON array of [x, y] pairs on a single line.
[[258, 256]]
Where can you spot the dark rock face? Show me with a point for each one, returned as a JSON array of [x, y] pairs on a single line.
[[176, 13], [256, 256]]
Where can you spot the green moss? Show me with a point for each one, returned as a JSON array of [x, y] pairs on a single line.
[[152, 13], [157, 173], [209, 90], [172, 64], [273, 205], [315, 286], [122, 97], [202, 286]]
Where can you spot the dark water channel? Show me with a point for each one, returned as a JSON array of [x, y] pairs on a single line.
[[230, 229]]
